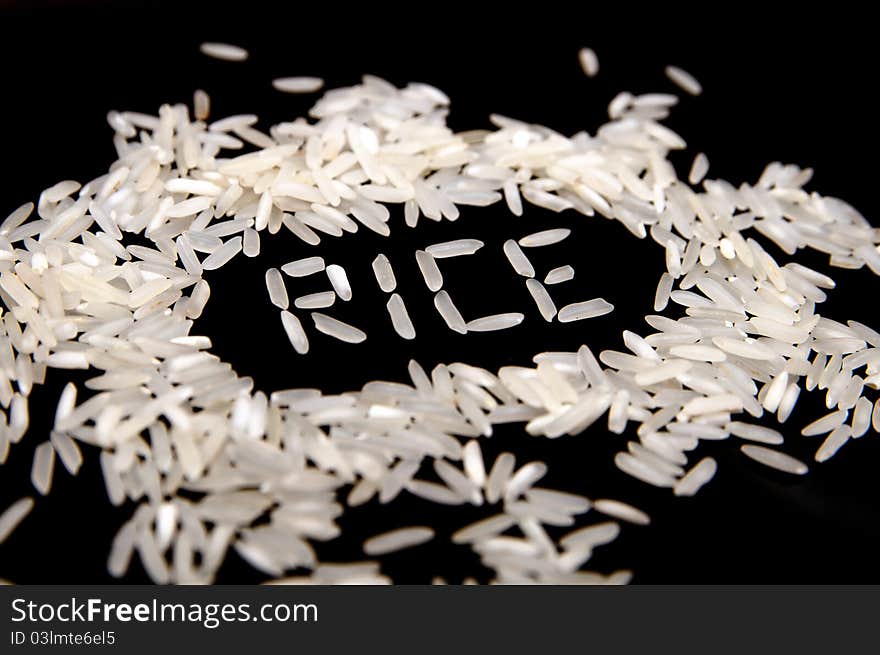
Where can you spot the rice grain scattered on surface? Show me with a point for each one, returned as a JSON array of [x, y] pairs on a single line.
[[394, 540], [430, 272], [495, 322], [775, 459], [583, 310], [620, 510], [224, 51], [559, 275], [335, 328], [696, 478], [684, 80], [589, 61], [298, 84], [13, 515], [339, 280]]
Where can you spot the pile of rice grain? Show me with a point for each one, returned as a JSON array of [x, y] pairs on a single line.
[[175, 423]]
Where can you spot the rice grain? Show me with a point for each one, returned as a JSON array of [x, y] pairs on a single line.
[[544, 238], [449, 312], [542, 299], [43, 467], [318, 300], [223, 51], [495, 322], [400, 318], [399, 539], [430, 272], [583, 310], [619, 510], [456, 248], [559, 275], [13, 516], [295, 333], [699, 168], [277, 290], [304, 267], [775, 459], [518, 259], [339, 280], [298, 84], [337, 329], [684, 80], [696, 478], [384, 274], [589, 61]]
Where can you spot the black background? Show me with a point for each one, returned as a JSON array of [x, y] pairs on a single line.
[[794, 87]]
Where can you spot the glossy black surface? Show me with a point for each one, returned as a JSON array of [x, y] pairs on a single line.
[[794, 90]]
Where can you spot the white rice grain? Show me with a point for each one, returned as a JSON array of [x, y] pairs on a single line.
[[400, 317], [319, 300], [699, 168], [711, 405], [223, 254], [43, 467], [483, 529], [825, 424], [449, 312], [295, 332], [474, 467], [684, 80], [339, 280], [499, 476], [399, 539], [696, 478], [583, 310], [523, 479], [223, 51], [542, 299], [518, 259], [755, 433], [589, 61], [620, 510], [436, 493], [16, 218], [251, 243], [642, 471], [13, 516], [384, 274], [456, 248], [337, 329], [775, 459], [67, 450], [861, 418], [201, 105], [512, 197], [664, 288], [665, 371], [277, 290], [430, 272], [298, 84], [66, 403], [740, 348], [544, 238], [597, 534], [789, 399], [833, 442], [560, 274], [698, 353], [495, 322], [304, 267]]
